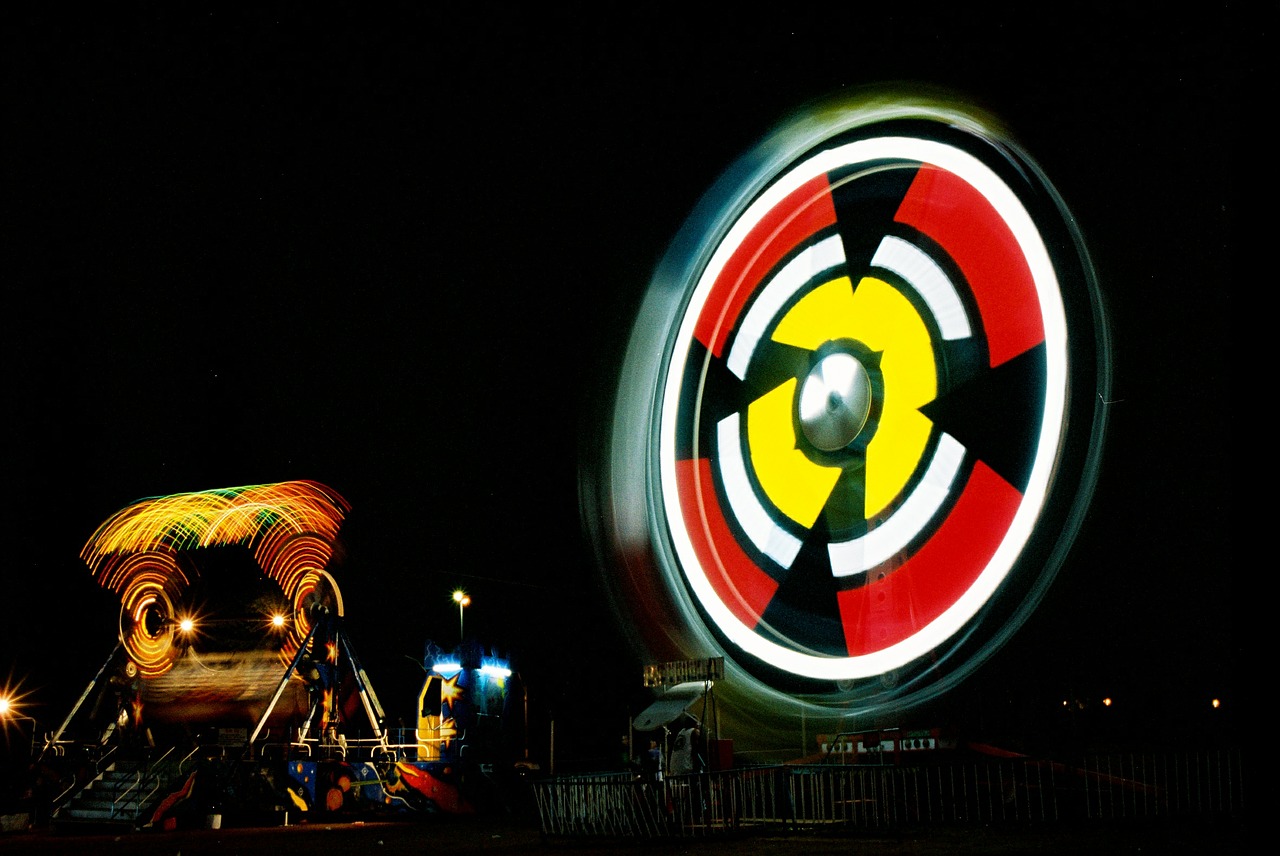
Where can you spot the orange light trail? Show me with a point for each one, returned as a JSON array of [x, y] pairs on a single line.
[[289, 526], [269, 513]]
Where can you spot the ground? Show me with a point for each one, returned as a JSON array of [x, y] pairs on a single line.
[[486, 835]]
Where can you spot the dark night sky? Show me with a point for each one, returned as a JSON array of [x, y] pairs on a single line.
[[397, 253]]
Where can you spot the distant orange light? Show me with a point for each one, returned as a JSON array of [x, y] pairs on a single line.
[[1106, 702], [1217, 703], [277, 620], [186, 625]]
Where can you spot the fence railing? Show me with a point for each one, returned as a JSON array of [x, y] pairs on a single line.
[[1164, 784], [1021, 790]]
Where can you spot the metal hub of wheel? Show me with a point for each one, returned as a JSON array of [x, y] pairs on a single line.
[[834, 402]]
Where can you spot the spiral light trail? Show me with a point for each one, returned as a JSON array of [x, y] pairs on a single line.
[[290, 527]]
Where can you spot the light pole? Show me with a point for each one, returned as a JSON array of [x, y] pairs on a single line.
[[461, 598], [9, 712]]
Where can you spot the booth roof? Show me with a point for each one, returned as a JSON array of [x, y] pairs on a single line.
[[669, 706]]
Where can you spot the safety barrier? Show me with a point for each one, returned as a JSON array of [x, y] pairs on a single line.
[[1018, 790], [609, 804], [1164, 784]]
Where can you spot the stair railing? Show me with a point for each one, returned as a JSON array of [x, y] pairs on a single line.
[[147, 775], [78, 783]]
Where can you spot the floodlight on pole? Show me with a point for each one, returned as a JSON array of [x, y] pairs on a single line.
[[463, 600]]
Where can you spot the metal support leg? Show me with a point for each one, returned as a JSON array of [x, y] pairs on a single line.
[[293, 666]]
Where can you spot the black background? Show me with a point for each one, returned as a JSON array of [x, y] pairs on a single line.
[[398, 251]]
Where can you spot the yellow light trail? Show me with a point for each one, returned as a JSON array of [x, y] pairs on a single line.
[[290, 528]]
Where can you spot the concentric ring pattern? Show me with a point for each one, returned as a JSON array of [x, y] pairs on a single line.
[[873, 426]]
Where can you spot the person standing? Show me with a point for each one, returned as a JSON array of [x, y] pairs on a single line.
[[653, 762]]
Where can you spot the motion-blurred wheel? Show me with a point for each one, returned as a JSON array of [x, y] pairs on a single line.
[[861, 411]]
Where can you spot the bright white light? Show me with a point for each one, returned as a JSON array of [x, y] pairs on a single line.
[[446, 668]]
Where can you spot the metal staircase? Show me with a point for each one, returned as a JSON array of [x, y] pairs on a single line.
[[122, 794]]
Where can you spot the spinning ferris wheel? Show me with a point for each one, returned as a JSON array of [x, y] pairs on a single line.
[[860, 415]]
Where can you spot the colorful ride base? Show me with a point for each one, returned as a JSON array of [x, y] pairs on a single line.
[[452, 763], [339, 787]]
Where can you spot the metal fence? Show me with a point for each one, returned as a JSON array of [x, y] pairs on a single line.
[[1164, 785], [618, 804], [1205, 784]]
